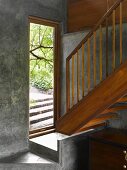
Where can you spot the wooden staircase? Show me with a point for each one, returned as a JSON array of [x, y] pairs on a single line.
[[93, 93]]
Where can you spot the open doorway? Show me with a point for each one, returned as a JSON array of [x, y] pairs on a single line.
[[43, 76]]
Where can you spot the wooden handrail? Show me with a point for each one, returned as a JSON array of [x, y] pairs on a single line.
[[107, 14], [75, 94]]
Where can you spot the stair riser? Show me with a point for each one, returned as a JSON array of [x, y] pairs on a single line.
[[41, 105], [41, 112], [40, 120], [46, 152]]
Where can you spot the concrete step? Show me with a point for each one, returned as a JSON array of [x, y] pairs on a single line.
[[41, 110], [47, 145], [41, 117], [41, 104]]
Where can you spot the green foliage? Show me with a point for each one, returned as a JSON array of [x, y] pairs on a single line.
[[41, 77], [41, 56]]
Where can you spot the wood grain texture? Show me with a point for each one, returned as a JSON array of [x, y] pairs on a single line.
[[115, 108], [98, 120], [105, 157], [94, 58], [78, 83], [83, 71], [97, 101], [86, 13], [121, 30], [107, 47], [111, 136], [96, 27], [73, 69], [100, 124], [67, 85], [113, 40], [123, 99], [101, 53], [88, 64], [107, 149]]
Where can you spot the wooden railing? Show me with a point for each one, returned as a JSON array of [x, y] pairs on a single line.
[[92, 60]]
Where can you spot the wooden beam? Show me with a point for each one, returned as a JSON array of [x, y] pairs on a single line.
[[96, 102], [123, 99], [101, 119], [100, 124], [115, 109]]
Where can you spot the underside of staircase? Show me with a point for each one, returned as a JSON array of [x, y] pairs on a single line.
[[107, 95]]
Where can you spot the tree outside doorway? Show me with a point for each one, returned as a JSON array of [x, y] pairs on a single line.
[[41, 56]]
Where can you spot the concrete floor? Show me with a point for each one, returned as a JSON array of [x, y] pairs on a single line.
[[27, 157]]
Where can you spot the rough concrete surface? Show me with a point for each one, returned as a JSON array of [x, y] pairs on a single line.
[[14, 68]]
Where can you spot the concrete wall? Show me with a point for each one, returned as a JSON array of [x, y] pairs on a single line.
[[14, 67], [74, 151]]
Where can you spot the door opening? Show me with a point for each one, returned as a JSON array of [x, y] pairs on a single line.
[[43, 77]]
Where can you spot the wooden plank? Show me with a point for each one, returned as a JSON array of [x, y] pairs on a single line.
[[84, 18], [88, 64], [83, 71], [113, 41], [67, 85], [102, 20], [98, 100], [79, 16], [121, 29], [78, 84], [100, 58], [123, 99], [94, 126], [94, 58], [106, 47], [115, 109], [73, 68], [100, 119]]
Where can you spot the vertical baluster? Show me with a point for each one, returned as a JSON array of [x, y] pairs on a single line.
[[100, 53], [83, 83], [121, 39], [67, 85], [113, 41], [88, 63], [73, 80], [106, 47], [77, 76], [94, 57]]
